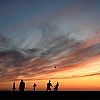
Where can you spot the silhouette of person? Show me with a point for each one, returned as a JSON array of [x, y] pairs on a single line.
[[56, 87], [34, 86], [14, 86], [48, 86], [22, 86]]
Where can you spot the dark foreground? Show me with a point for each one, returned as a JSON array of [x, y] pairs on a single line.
[[67, 95]]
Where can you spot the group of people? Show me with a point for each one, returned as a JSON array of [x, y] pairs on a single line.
[[22, 86], [49, 85]]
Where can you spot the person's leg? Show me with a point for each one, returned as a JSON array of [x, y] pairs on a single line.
[[50, 89]]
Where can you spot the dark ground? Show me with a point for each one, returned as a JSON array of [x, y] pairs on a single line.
[[45, 95]]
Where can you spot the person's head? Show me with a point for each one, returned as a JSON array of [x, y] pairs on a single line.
[[49, 81], [57, 82], [21, 80]]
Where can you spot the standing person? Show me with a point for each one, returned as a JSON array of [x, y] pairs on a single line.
[[56, 87], [14, 86], [34, 86], [22, 86], [48, 86]]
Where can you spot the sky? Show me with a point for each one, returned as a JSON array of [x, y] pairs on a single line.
[[37, 35]]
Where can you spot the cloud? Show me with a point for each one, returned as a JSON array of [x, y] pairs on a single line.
[[59, 56], [79, 76], [62, 51]]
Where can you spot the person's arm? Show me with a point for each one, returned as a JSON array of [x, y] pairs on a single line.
[[51, 85], [24, 85]]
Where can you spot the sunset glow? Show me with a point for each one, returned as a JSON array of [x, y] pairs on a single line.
[[57, 40]]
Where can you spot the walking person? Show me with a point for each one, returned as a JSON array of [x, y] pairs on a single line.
[[14, 86], [56, 87], [34, 86], [49, 85], [22, 86]]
